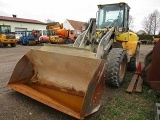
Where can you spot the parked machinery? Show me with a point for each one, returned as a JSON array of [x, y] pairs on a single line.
[[71, 78], [42, 36], [155, 39], [6, 36], [57, 34], [34, 37], [28, 38]]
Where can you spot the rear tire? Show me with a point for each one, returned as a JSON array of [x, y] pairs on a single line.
[[13, 44], [116, 65], [133, 63]]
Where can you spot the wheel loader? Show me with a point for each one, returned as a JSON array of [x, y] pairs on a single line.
[[71, 78], [58, 34], [6, 36]]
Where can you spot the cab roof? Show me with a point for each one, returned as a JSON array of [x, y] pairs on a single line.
[[114, 4]]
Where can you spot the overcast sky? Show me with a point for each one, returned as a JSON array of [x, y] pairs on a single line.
[[80, 10]]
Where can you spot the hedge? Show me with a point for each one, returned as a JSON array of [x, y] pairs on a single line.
[[148, 37]]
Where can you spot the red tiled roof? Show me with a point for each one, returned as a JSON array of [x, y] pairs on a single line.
[[77, 25], [20, 20]]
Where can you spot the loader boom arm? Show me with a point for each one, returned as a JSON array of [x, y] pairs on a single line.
[[82, 39]]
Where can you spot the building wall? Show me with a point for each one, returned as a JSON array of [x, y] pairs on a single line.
[[67, 25], [21, 25], [77, 32], [140, 32]]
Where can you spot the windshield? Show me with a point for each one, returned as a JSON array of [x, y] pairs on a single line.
[[26, 33], [5, 29], [108, 14], [50, 32], [44, 32]]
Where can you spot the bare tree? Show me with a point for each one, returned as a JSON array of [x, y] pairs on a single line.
[[147, 24], [131, 21], [152, 22], [49, 21], [156, 20]]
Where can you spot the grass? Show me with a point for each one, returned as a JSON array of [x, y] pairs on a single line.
[[134, 106]]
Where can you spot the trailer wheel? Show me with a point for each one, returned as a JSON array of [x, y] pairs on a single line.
[[116, 65], [133, 63]]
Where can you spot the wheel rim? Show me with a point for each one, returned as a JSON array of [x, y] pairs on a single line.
[[122, 69]]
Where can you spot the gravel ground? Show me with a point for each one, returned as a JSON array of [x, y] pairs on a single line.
[[16, 106]]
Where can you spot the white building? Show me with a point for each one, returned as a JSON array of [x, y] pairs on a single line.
[[76, 26], [140, 32], [21, 24]]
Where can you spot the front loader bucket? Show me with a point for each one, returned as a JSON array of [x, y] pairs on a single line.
[[153, 73], [68, 79]]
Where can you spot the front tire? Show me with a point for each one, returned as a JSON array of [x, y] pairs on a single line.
[[13, 44], [116, 65], [133, 63], [5, 44]]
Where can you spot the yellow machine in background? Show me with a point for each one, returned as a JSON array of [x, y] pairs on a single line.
[[6, 36], [71, 78], [57, 34], [155, 39]]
